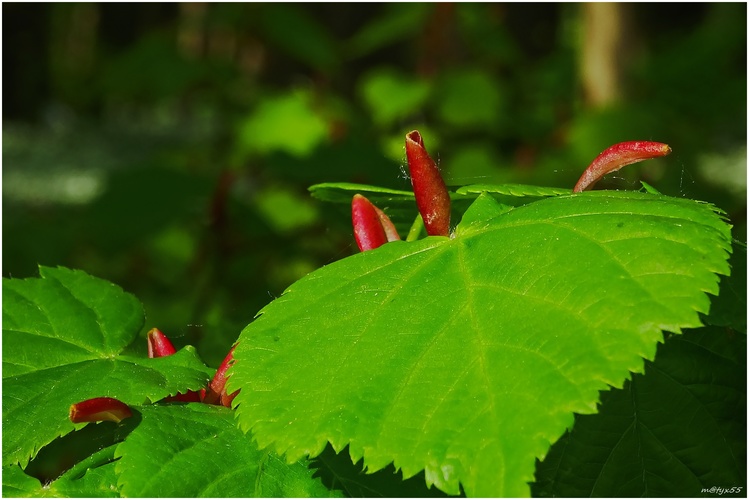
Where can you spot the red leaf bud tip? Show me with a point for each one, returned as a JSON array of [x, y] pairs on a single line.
[[429, 188], [387, 225], [158, 344], [368, 228], [618, 156], [216, 392], [99, 410]]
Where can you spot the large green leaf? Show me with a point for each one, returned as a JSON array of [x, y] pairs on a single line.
[[63, 335], [196, 450], [676, 431], [467, 357]]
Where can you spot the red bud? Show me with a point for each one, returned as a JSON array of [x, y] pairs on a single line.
[[99, 410], [429, 188], [216, 392], [368, 229], [158, 344], [372, 228], [618, 156]]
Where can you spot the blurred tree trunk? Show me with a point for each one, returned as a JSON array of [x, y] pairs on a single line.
[[605, 50]]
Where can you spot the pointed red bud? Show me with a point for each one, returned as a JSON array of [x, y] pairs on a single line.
[[158, 344], [216, 392], [618, 156], [99, 410], [429, 188], [372, 227]]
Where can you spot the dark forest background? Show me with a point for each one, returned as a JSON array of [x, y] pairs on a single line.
[[168, 147]]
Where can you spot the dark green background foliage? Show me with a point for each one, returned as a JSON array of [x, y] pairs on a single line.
[[168, 147]]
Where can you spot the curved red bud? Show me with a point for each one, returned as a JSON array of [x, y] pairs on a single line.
[[429, 188], [368, 229], [216, 392], [99, 410], [618, 156], [158, 344]]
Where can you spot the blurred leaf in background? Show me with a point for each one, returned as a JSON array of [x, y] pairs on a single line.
[[168, 147]]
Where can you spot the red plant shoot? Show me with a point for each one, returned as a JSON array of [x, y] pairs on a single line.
[[618, 156], [368, 229], [432, 197], [216, 392], [372, 227], [99, 410], [159, 344]]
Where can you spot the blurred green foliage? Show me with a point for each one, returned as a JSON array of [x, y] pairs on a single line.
[[168, 147]]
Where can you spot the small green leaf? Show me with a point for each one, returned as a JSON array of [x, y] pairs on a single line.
[[62, 338], [196, 450], [286, 123], [470, 98], [467, 357], [342, 192], [392, 96]]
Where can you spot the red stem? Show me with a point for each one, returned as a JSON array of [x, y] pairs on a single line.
[[216, 393]]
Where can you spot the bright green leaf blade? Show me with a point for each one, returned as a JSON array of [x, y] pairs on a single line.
[[91, 478], [513, 190], [66, 316], [18, 484], [467, 357], [196, 450], [62, 335], [677, 429]]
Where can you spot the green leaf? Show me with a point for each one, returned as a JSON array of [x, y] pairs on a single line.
[[467, 357], [18, 484], [337, 471], [392, 96], [470, 98], [729, 307], [513, 190], [94, 477], [63, 335], [196, 450], [677, 429], [287, 123]]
